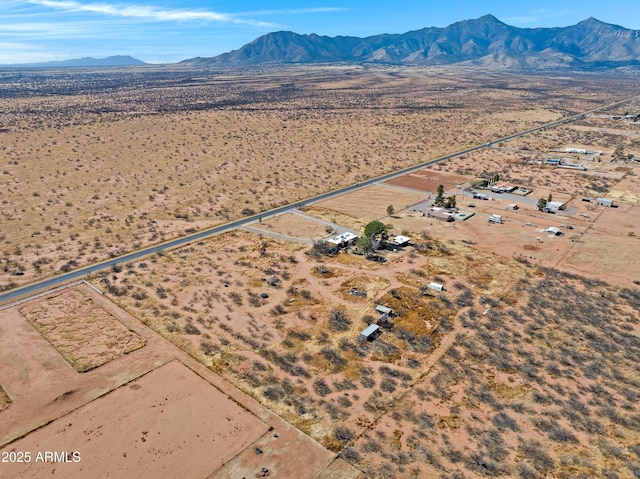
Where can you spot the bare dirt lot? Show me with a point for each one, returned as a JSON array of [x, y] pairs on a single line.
[[428, 180], [149, 411], [372, 202], [166, 423]]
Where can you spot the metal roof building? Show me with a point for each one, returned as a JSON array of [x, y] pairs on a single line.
[[370, 332]]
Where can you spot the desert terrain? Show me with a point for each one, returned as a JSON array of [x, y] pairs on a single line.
[[247, 344], [133, 158]]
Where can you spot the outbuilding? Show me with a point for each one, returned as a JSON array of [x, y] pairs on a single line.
[[383, 310], [370, 333], [401, 240], [556, 206], [344, 240], [554, 230], [440, 214], [436, 286], [604, 202]]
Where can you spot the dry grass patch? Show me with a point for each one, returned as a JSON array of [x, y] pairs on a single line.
[[85, 334], [371, 285], [5, 400]]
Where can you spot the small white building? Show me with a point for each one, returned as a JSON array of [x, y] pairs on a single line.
[[554, 230], [370, 333], [401, 240], [343, 240], [604, 202], [436, 286], [383, 310], [496, 219], [556, 206]]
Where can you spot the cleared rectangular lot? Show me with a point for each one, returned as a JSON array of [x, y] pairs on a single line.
[[167, 423]]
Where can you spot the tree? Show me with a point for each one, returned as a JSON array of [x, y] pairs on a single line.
[[496, 178], [376, 229], [549, 198], [390, 210], [542, 203], [365, 245], [451, 202], [439, 197], [376, 232]]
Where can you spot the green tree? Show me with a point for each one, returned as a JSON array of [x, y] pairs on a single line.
[[542, 203], [451, 202], [365, 245], [549, 198], [439, 196], [376, 232], [496, 178], [390, 210]]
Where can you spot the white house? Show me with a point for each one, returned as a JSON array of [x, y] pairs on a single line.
[[556, 206], [345, 239]]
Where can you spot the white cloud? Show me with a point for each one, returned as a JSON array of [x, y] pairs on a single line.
[[536, 16], [12, 53], [146, 12], [294, 11]]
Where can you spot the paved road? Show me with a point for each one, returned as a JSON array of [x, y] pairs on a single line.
[[58, 280]]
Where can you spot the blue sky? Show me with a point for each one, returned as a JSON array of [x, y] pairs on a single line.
[[160, 31]]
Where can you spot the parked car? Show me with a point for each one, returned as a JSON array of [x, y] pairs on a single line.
[[377, 258]]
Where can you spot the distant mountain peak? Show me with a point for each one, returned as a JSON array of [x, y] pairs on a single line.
[[483, 41], [112, 61]]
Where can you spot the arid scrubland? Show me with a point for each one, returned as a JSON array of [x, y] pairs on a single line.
[[525, 365], [516, 370], [94, 164]]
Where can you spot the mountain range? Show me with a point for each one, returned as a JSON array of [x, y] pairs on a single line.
[[112, 61], [486, 41]]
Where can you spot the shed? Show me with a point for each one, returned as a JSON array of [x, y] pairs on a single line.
[[384, 321], [343, 240], [440, 214], [604, 202], [370, 333], [556, 205], [436, 286], [383, 310], [552, 161], [401, 240], [554, 230]]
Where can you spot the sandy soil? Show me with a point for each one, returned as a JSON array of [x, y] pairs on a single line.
[[428, 180], [56, 409], [166, 423], [371, 203], [294, 225]]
